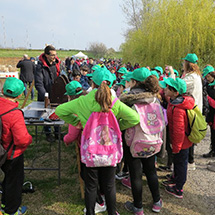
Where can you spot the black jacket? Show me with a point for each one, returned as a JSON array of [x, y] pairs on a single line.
[[27, 70]]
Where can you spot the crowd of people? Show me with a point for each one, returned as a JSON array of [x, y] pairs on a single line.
[[116, 112]]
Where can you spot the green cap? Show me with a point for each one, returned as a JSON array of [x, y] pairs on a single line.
[[102, 74], [159, 69], [71, 88], [13, 87], [140, 74], [127, 76], [153, 72], [178, 83], [122, 70], [162, 84], [122, 82], [97, 66], [191, 58], [207, 70], [89, 74]]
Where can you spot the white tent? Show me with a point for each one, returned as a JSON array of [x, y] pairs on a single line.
[[81, 55]]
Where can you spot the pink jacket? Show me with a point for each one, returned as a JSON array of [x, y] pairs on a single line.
[[73, 134]]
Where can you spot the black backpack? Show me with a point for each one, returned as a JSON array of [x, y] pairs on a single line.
[[3, 152]]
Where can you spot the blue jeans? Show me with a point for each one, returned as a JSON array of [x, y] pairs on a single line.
[[32, 91]]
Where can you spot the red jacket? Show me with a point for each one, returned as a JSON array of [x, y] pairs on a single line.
[[13, 127], [178, 122]]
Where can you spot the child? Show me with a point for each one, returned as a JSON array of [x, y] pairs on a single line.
[[15, 131], [76, 75], [84, 79], [178, 127], [99, 99], [144, 89]]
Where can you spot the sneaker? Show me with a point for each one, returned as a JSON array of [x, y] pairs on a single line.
[[191, 166], [130, 207], [21, 211], [168, 183], [210, 154], [126, 182], [121, 175], [98, 208], [165, 168], [175, 192], [169, 177], [117, 213], [157, 206]]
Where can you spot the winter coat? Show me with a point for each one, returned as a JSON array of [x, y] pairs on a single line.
[[178, 122], [80, 109], [27, 70], [45, 75], [194, 87], [14, 128], [211, 97]]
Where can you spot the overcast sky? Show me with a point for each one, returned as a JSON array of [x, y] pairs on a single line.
[[70, 24]]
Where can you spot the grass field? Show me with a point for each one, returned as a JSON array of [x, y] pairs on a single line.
[[51, 199]]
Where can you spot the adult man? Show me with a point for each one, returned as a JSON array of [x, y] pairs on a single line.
[[47, 70], [27, 70], [71, 66]]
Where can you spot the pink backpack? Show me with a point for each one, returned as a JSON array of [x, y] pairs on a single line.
[[101, 143], [145, 139]]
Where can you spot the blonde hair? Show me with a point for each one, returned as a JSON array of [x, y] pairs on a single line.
[[192, 67], [103, 97]]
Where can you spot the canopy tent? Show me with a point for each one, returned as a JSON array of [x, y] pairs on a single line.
[[81, 55]]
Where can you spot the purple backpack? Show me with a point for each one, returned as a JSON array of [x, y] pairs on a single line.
[[145, 139], [101, 143]]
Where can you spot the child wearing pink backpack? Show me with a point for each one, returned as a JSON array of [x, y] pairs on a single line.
[[143, 141], [101, 147]]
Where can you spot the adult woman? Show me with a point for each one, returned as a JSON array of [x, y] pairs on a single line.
[[193, 79]]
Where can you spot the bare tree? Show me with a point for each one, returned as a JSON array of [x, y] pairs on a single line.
[[98, 49]]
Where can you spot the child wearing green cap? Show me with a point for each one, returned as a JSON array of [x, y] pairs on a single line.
[[209, 75], [15, 139], [178, 127], [144, 89], [98, 100]]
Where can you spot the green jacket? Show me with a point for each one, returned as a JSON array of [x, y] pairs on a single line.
[[81, 108]]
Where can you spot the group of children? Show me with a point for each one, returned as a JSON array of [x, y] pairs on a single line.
[[140, 87]]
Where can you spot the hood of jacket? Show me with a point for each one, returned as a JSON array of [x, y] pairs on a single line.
[[7, 105], [57, 61], [183, 102], [137, 96]]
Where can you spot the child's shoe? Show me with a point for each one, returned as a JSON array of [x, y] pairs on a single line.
[[168, 183], [121, 175], [126, 182], [157, 206], [175, 192], [191, 166], [98, 208], [130, 207], [21, 211]]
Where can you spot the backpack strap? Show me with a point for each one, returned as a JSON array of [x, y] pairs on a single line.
[[114, 101]]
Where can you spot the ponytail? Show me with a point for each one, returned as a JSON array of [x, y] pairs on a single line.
[[103, 96]]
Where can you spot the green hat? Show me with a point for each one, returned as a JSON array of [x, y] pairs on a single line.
[[89, 74], [71, 88], [175, 71], [178, 83], [102, 74], [162, 84], [122, 82], [191, 58], [159, 69], [13, 87], [122, 70], [97, 66], [153, 72], [207, 70], [114, 76], [127, 76], [140, 74]]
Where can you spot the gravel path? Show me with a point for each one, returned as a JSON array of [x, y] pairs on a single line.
[[201, 182]]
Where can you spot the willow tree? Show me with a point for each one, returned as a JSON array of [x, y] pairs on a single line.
[[170, 30]]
